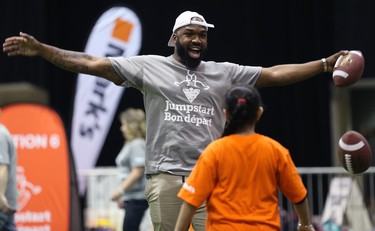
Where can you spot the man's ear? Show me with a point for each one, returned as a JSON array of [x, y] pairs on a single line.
[[174, 38]]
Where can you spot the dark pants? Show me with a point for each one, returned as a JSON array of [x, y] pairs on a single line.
[[134, 211], [7, 222]]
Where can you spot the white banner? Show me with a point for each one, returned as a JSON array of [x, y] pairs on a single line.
[[117, 32], [345, 206], [337, 200]]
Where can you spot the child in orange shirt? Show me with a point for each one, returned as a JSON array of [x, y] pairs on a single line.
[[239, 174]]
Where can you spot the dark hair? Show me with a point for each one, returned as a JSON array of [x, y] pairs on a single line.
[[242, 103]]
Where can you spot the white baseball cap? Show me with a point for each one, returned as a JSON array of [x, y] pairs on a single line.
[[187, 18]]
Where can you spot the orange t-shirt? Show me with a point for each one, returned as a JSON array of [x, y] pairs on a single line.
[[239, 176]]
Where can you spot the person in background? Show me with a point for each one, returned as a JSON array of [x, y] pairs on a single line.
[[238, 175], [8, 180], [131, 162], [182, 98]]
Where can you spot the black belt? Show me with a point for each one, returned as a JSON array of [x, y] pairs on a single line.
[[149, 176]]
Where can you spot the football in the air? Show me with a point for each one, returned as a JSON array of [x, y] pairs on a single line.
[[348, 69], [354, 152]]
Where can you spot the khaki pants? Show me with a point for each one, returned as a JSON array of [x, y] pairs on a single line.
[[161, 194]]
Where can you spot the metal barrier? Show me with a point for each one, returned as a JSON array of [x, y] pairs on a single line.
[[317, 181], [101, 212]]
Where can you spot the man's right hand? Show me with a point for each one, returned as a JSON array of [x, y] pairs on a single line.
[[23, 44]]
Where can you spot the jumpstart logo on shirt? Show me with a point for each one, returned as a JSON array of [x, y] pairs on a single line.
[[169, 115], [191, 88], [188, 187]]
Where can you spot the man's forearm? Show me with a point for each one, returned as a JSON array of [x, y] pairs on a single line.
[[68, 60]]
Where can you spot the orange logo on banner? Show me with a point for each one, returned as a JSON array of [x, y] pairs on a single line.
[[122, 30], [42, 168]]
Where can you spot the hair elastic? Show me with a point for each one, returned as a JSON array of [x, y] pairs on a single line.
[[241, 100]]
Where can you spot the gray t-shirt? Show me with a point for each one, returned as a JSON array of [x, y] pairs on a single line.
[[132, 155], [184, 108], [8, 156]]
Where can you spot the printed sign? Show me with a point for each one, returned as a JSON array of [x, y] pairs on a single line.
[[117, 32], [42, 167]]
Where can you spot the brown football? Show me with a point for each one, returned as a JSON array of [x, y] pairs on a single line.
[[354, 152], [348, 69]]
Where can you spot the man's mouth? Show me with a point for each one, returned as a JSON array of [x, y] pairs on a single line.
[[194, 53]]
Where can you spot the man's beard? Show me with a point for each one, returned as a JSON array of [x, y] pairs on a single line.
[[186, 59]]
